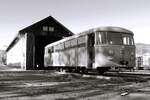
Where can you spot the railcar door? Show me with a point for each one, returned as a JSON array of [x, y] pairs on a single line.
[[90, 50]]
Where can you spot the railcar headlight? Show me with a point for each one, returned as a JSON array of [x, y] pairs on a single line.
[[122, 47], [132, 53], [111, 52]]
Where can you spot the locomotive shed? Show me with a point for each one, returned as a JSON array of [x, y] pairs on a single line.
[[27, 48]]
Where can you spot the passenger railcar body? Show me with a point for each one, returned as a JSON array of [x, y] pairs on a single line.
[[99, 48]]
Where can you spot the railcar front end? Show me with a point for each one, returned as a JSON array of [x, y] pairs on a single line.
[[114, 50]]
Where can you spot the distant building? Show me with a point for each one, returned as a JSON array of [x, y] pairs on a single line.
[[2, 57], [27, 48], [143, 56]]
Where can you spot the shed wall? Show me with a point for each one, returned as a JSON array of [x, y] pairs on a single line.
[[16, 57]]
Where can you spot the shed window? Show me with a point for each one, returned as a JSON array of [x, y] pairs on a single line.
[[45, 28], [51, 29], [48, 28]]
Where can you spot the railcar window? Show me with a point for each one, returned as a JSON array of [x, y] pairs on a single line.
[[50, 50], [73, 42], [114, 38], [55, 47], [58, 47], [132, 41], [67, 44], [81, 40], [61, 46], [100, 38], [128, 40]]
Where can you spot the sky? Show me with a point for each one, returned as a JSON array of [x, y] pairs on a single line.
[[76, 15]]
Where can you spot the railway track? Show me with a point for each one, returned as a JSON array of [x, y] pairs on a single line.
[[125, 75], [128, 74]]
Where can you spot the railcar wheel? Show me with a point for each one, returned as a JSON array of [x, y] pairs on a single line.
[[77, 70], [101, 71], [60, 69], [84, 70], [70, 70]]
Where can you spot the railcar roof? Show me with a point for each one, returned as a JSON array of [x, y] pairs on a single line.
[[108, 29]]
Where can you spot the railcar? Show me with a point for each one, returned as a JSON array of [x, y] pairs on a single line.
[[100, 49]]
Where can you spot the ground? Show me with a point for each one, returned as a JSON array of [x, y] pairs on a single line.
[[51, 85]]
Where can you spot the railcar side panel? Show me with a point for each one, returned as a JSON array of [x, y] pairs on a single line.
[[70, 58], [82, 56]]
